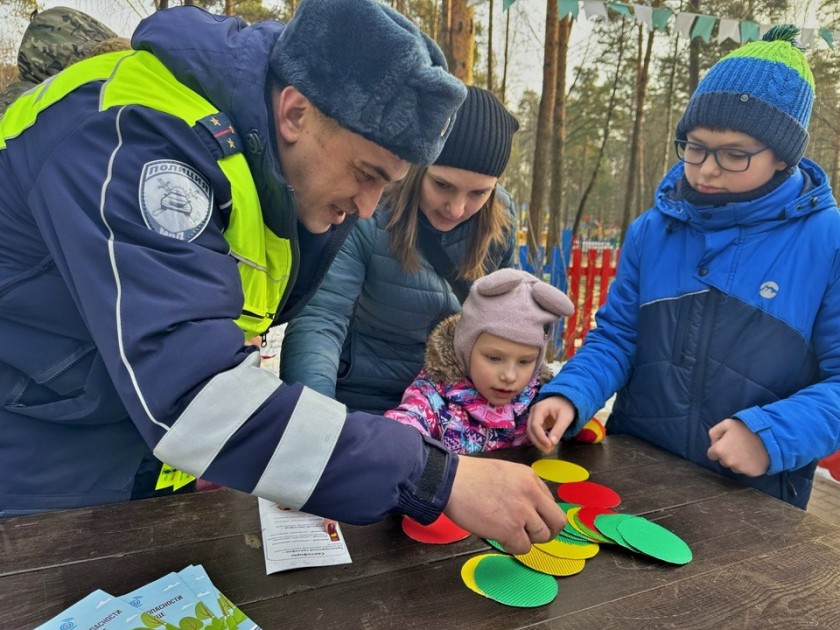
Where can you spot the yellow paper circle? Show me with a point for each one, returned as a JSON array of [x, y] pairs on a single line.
[[552, 565], [561, 549], [559, 471]]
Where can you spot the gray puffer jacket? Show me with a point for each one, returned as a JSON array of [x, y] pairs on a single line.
[[362, 337]]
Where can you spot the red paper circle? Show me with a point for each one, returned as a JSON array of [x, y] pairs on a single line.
[[588, 493], [587, 514], [440, 532]]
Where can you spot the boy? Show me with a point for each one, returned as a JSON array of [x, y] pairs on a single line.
[[721, 332]]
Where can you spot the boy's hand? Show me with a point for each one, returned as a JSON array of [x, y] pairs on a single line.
[[548, 420], [737, 448], [504, 501]]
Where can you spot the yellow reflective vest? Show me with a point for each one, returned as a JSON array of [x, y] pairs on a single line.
[[139, 78]]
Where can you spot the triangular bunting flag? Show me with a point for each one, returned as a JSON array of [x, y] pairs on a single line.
[[763, 28], [568, 7], [661, 17], [828, 35], [644, 15], [621, 9], [703, 27], [749, 31], [594, 8], [806, 36], [729, 29], [506, 4], [684, 22]]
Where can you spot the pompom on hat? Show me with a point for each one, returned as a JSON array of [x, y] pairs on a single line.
[[513, 305], [482, 135], [764, 89], [373, 71]]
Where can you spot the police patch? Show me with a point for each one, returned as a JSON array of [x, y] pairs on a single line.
[[175, 199]]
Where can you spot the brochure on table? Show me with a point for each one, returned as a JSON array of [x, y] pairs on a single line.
[[295, 540], [187, 599]]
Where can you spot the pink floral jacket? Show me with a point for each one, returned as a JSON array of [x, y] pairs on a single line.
[[463, 419]]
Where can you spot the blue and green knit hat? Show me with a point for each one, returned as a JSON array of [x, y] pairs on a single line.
[[764, 89]]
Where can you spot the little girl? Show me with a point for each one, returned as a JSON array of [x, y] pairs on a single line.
[[484, 366]]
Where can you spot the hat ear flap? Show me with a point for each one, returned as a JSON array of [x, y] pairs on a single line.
[[552, 299], [499, 282]]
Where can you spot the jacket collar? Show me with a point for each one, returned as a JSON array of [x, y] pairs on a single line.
[[805, 191]]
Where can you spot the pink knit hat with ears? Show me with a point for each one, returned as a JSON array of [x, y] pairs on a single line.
[[513, 305]]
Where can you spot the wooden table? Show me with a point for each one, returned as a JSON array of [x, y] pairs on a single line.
[[758, 562]]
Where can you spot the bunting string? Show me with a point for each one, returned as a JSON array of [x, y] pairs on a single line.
[[691, 25]]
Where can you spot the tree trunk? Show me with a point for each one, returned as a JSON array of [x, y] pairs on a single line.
[[669, 112], [642, 76], [507, 56], [162, 4], [490, 48], [445, 26], [543, 139], [693, 53], [228, 7], [462, 40], [605, 136], [557, 198]]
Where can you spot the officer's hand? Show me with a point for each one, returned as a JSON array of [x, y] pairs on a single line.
[[505, 502], [547, 421], [737, 448]]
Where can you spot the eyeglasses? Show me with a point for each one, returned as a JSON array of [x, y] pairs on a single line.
[[732, 160]]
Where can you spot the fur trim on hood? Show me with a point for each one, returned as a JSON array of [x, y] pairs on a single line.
[[441, 362]]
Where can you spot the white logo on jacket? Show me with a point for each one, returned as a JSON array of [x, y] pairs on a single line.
[[176, 200], [768, 290]]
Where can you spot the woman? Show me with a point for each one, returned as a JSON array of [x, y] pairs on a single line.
[[362, 337]]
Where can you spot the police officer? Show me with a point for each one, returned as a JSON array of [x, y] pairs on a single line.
[[165, 204]]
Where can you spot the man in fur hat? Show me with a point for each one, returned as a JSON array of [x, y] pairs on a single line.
[[165, 204]]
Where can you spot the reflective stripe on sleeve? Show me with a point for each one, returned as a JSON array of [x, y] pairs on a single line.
[[304, 450], [215, 414]]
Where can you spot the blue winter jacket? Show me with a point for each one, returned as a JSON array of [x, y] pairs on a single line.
[[719, 312], [362, 337], [118, 344]]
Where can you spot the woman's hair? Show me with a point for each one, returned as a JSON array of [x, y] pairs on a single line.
[[492, 225]]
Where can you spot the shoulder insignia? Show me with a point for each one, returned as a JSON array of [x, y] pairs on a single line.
[[221, 128], [175, 199]]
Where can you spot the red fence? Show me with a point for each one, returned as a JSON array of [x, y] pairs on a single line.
[[589, 279]]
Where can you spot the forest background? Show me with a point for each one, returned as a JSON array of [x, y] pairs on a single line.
[[597, 97]]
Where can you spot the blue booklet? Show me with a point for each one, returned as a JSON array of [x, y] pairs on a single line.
[[187, 600], [98, 610]]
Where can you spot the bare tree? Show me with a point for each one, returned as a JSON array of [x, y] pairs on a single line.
[[462, 40], [490, 48], [634, 163], [605, 134], [507, 56], [557, 196], [544, 128]]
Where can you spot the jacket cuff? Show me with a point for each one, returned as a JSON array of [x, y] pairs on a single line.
[[757, 421], [424, 500]]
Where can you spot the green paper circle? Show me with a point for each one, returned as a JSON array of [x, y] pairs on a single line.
[[654, 540], [608, 524], [505, 580]]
